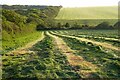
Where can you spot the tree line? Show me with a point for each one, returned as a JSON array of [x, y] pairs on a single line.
[[103, 25]]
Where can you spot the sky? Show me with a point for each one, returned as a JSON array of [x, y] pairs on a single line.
[[64, 3]]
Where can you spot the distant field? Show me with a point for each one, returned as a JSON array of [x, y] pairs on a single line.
[[110, 12]]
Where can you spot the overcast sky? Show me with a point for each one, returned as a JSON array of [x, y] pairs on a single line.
[[64, 3]]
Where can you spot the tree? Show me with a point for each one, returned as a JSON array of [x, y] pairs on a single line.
[[117, 25], [59, 25], [12, 16], [103, 25], [41, 26], [67, 25]]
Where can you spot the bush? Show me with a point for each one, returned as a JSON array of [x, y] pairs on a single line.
[[117, 25], [104, 25]]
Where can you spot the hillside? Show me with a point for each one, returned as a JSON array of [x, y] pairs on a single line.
[[110, 12], [20, 22]]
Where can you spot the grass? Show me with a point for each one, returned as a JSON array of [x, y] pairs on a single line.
[[92, 34], [91, 16], [97, 35], [16, 42], [88, 13], [47, 62], [98, 56]]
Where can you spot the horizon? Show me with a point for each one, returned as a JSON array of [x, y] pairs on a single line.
[[75, 3]]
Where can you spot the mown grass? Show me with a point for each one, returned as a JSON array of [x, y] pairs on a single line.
[[16, 42], [47, 62], [113, 42], [97, 56], [94, 33], [108, 64]]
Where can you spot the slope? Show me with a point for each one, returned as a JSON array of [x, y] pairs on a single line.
[[109, 12]]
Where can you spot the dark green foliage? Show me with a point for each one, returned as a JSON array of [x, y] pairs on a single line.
[[117, 25], [12, 16], [41, 27], [91, 23], [103, 25], [59, 25], [21, 20], [67, 25], [23, 7]]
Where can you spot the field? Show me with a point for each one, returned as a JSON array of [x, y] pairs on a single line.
[[53, 42], [67, 54], [12, 44], [88, 13]]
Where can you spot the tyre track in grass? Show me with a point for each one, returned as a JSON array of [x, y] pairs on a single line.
[[86, 70], [104, 44], [25, 49]]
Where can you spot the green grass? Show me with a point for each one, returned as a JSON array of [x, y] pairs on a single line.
[[91, 16], [88, 13], [16, 42], [47, 62], [94, 33], [105, 60]]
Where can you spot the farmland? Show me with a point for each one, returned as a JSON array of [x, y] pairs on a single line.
[[52, 42], [67, 54], [94, 13], [88, 15]]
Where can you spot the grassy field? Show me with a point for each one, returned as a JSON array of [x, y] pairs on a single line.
[[11, 44], [88, 13], [47, 62], [67, 54], [59, 54]]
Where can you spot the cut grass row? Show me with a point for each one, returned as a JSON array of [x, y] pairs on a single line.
[[107, 36], [94, 33], [114, 41], [108, 65], [110, 41], [46, 62], [84, 68]]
